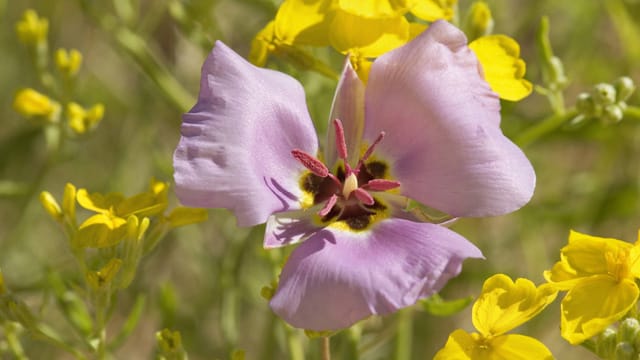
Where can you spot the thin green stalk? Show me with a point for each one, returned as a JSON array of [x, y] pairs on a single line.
[[404, 335], [632, 112], [294, 345], [13, 342], [544, 127]]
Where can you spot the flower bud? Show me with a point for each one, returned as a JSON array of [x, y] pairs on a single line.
[[32, 29], [624, 88], [69, 202], [624, 351], [68, 62], [606, 343], [479, 21], [612, 114], [29, 102], [628, 330], [604, 94], [51, 205], [102, 278]]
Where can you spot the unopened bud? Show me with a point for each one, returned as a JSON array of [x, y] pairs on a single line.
[[606, 343], [628, 330], [624, 88], [479, 21], [32, 29], [604, 94], [51, 205], [624, 351], [612, 114], [69, 202], [29, 102], [68, 62]]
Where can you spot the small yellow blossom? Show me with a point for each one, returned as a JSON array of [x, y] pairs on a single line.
[[502, 306], [32, 29], [29, 103], [600, 277], [68, 62], [503, 68], [82, 120], [377, 9], [109, 226]]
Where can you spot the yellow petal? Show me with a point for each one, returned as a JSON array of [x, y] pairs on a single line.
[[584, 256], [98, 202], [432, 10], [504, 304], [503, 69], [367, 37], [595, 303], [460, 346], [361, 65], [517, 347], [262, 45], [376, 9], [303, 22], [101, 230], [416, 29]]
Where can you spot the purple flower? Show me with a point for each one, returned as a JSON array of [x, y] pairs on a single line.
[[425, 127]]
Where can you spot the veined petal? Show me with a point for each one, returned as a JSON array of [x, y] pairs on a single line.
[[291, 227], [517, 347], [369, 37], [337, 277], [593, 304], [98, 202], [235, 149], [504, 304], [502, 66], [304, 22], [348, 106], [441, 120]]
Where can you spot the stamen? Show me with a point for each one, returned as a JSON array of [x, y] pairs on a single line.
[[363, 196], [381, 185], [314, 165], [328, 205], [341, 143], [370, 149]]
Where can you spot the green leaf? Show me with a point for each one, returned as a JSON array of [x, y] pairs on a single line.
[[437, 306]]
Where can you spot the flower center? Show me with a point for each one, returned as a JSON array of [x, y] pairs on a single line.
[[618, 264], [346, 195]]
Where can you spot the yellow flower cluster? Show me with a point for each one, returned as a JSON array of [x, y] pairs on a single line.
[[32, 31], [125, 228], [367, 29], [599, 275], [502, 306]]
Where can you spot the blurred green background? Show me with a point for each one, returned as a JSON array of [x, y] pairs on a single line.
[[204, 280]]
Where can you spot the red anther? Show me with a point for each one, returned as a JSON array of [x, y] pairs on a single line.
[[363, 196], [328, 205], [341, 143], [381, 185], [314, 165]]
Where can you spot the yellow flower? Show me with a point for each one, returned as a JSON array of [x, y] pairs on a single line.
[[32, 29], [68, 62], [377, 9], [502, 306], [29, 103], [479, 21], [82, 120], [599, 275], [109, 226], [503, 68]]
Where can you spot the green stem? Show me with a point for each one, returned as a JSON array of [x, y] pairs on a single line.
[[544, 127], [404, 335], [632, 112], [13, 342], [296, 352]]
